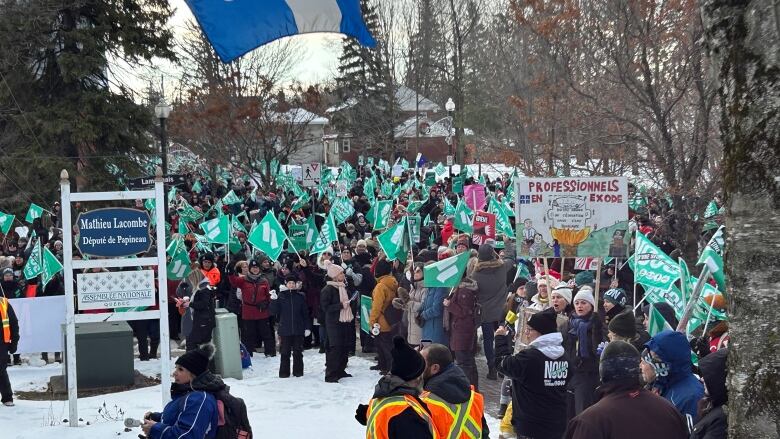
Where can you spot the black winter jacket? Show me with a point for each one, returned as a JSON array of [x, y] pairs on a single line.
[[291, 312]]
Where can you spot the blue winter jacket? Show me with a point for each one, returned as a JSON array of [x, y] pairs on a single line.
[[291, 311], [192, 415], [676, 381], [432, 311]]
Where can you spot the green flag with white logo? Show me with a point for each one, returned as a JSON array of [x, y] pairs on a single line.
[[382, 214], [231, 198], [652, 267], [657, 322], [6, 220], [446, 273], [301, 201], [394, 241], [365, 312], [711, 210], [342, 209], [503, 224], [34, 265], [196, 187], [712, 255], [297, 237], [440, 169], [463, 218], [179, 266], [189, 213], [449, 209], [327, 235], [217, 231], [269, 236], [51, 266], [35, 211]]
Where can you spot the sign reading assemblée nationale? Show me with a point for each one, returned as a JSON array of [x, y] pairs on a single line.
[[113, 232]]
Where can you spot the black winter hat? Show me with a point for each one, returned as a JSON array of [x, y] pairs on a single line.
[[207, 257], [616, 296], [383, 267], [486, 253], [623, 325], [408, 364], [619, 361], [197, 361], [544, 322], [253, 263], [713, 370], [291, 277]]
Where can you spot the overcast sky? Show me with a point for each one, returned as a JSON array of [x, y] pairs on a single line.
[[318, 64]]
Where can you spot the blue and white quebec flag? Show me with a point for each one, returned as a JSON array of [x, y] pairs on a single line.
[[235, 27]]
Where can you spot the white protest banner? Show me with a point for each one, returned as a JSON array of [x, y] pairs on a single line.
[[587, 216], [40, 323], [116, 289]]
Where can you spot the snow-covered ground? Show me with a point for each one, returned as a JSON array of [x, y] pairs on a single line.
[[281, 408]]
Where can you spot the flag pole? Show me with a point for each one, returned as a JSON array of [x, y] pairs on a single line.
[[705, 274], [707, 323], [598, 284]]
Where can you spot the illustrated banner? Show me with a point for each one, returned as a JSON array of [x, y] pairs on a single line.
[[572, 216]]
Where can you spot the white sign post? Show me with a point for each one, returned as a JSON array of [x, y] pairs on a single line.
[[311, 174], [115, 296]]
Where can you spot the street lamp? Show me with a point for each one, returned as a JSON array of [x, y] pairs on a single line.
[[162, 110], [450, 107]]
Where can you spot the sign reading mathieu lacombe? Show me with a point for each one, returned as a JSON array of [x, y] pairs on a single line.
[[113, 232]]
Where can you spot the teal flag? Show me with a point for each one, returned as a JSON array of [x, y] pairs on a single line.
[[328, 234], [365, 311], [231, 198], [712, 256], [446, 273], [269, 236], [342, 209], [51, 266], [34, 265], [393, 241], [297, 236], [382, 214], [217, 230], [463, 218], [35, 211], [652, 267], [6, 220]]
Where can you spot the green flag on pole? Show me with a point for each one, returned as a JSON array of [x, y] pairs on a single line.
[[179, 266], [382, 213], [711, 210], [446, 273], [712, 255], [342, 209], [217, 231], [301, 201], [34, 265], [6, 220], [327, 235], [51, 266], [35, 211], [298, 234], [440, 169], [189, 213], [311, 232], [269, 236], [656, 322], [236, 224], [449, 209], [503, 224], [652, 267], [463, 218], [365, 312], [231, 198], [196, 187], [393, 241]]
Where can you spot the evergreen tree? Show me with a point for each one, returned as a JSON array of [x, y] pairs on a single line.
[[366, 84], [61, 107], [427, 55]]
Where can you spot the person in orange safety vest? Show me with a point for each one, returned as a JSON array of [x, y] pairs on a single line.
[[456, 408], [396, 410], [9, 337]]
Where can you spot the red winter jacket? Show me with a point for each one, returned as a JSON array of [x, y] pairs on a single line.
[[446, 232], [255, 297]]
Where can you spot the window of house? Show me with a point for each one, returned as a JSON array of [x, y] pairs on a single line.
[[346, 145], [335, 147]]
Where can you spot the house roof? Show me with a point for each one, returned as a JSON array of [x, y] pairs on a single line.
[[405, 97], [305, 117]]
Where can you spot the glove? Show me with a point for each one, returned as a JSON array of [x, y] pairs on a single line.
[[419, 320], [12, 348], [398, 303], [263, 305], [306, 333], [600, 348], [360, 414], [349, 271], [375, 329], [274, 296]]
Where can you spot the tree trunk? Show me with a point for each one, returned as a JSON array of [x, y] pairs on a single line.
[[743, 37]]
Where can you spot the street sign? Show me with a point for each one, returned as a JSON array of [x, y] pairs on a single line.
[[143, 182], [119, 289], [450, 160], [113, 232], [311, 174]]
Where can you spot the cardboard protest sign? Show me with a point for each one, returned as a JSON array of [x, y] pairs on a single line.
[[484, 226], [587, 216]]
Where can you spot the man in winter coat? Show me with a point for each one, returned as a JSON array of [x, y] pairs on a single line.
[[447, 391], [291, 312], [396, 410], [9, 338], [625, 410], [666, 366], [539, 375], [462, 306], [384, 292], [490, 275], [713, 417], [255, 315]]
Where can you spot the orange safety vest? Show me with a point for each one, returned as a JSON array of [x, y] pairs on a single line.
[[5, 320], [381, 410], [212, 275], [456, 421]]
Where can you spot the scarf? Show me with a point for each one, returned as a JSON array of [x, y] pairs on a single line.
[[345, 315], [579, 326]]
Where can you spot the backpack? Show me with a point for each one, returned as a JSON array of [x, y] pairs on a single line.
[[233, 420]]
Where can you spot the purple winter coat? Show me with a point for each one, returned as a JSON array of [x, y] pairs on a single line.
[[463, 326]]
